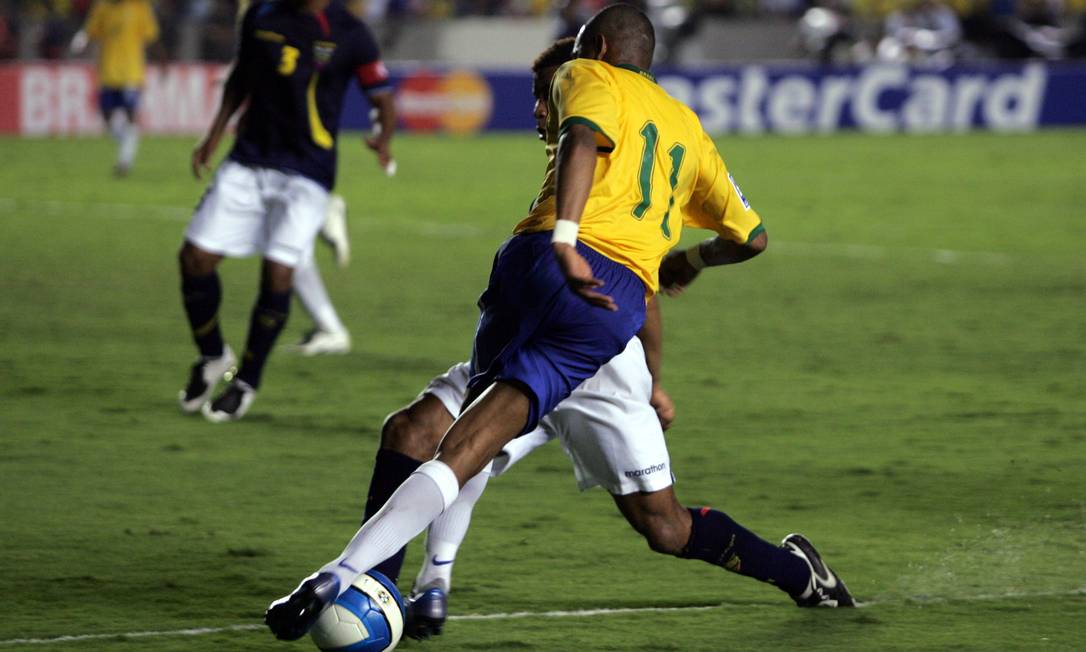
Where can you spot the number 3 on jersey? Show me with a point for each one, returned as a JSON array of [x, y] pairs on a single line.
[[288, 60], [644, 176]]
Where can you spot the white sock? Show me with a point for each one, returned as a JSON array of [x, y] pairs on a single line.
[[130, 139], [445, 535], [419, 500], [310, 289], [116, 123]]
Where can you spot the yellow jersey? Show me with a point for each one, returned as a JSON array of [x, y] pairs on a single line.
[[657, 169], [123, 28]]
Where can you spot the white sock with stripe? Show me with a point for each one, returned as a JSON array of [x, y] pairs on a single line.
[[445, 535], [419, 500]]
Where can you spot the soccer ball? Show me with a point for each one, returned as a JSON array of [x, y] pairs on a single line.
[[368, 617]]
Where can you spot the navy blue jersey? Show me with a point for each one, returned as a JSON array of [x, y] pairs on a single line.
[[295, 67]]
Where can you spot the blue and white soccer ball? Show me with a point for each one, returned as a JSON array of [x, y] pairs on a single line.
[[368, 617]]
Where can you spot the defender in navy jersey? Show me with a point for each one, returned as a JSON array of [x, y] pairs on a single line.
[[294, 62]]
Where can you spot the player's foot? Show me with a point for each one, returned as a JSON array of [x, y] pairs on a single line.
[[318, 342], [426, 613], [121, 170], [291, 616], [232, 404], [824, 589], [205, 374], [334, 230]]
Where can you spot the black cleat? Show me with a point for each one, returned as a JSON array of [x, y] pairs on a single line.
[[426, 613], [203, 377], [290, 617], [232, 404], [824, 589]]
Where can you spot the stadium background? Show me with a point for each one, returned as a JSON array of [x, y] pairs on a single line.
[[744, 66], [899, 376]]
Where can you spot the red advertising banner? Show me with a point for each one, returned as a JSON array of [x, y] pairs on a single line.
[[40, 99]]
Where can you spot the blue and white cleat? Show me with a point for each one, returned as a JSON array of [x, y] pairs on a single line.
[[426, 614], [824, 589], [291, 616]]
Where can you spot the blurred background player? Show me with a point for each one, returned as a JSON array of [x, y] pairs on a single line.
[[294, 61], [122, 29], [329, 335]]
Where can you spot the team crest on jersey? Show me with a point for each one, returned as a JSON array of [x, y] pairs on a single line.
[[322, 51], [746, 204]]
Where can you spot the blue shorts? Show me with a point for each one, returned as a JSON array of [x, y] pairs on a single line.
[[536, 332], [118, 98]]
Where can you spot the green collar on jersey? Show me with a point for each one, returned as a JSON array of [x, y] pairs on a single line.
[[644, 73]]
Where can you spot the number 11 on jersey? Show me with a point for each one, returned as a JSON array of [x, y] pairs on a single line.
[[676, 153]]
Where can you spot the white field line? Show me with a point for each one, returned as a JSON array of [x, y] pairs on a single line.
[[441, 230], [582, 613]]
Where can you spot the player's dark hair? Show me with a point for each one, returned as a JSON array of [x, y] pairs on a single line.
[[547, 62], [628, 32], [555, 55]]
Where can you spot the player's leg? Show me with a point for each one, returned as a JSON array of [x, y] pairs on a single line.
[[611, 433], [427, 605], [128, 131], [535, 342], [472, 441], [334, 230], [329, 334], [227, 222], [474, 438], [409, 437], [714, 537], [266, 322], [292, 208], [526, 365], [201, 295], [111, 105]]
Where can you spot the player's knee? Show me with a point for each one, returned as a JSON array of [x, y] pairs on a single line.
[[277, 278], [665, 536], [408, 435], [195, 261]]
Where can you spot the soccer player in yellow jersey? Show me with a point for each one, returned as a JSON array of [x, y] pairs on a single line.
[[568, 292], [122, 29]]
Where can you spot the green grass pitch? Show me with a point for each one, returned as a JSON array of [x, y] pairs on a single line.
[[902, 377]]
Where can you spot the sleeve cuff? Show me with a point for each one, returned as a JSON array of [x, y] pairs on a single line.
[[758, 230], [578, 120]]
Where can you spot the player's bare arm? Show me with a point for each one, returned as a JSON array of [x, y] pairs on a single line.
[[681, 267], [575, 169], [233, 96], [380, 141], [652, 336]]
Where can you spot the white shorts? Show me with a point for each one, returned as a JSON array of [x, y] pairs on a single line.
[[607, 426], [248, 210]]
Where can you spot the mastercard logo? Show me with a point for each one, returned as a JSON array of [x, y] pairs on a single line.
[[458, 102]]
